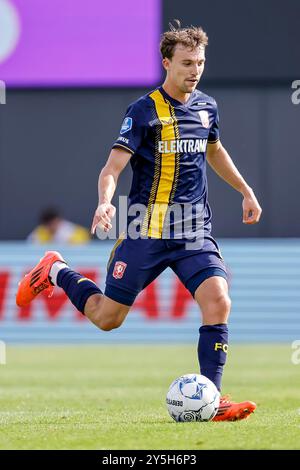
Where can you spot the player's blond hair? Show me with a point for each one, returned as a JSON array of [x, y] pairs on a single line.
[[191, 37]]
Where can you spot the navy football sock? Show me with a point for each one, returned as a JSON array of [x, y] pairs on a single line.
[[212, 351], [77, 287]]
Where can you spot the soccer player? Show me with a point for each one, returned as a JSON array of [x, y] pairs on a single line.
[[167, 135]]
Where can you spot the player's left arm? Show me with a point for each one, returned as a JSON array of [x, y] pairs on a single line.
[[221, 162]]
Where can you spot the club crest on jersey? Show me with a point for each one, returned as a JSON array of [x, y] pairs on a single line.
[[204, 118], [119, 269], [167, 120], [126, 125]]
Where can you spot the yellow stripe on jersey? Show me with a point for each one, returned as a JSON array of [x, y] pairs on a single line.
[[177, 155], [166, 116], [157, 161]]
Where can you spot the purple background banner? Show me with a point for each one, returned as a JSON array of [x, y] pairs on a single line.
[[79, 42]]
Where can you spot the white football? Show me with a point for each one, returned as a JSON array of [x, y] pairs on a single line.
[[193, 397]]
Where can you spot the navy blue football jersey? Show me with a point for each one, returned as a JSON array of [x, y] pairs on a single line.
[[168, 142]]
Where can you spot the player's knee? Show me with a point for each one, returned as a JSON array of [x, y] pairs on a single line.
[[223, 303], [110, 315], [108, 324], [220, 308]]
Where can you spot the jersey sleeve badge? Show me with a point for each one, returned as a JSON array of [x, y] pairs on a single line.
[[126, 125]]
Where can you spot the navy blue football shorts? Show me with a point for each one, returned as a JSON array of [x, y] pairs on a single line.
[[134, 264]]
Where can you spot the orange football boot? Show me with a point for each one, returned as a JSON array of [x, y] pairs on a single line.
[[37, 280], [231, 411]]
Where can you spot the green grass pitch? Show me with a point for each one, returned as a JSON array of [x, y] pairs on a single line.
[[113, 397]]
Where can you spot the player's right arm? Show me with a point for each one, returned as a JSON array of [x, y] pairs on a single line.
[[107, 184], [132, 133]]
